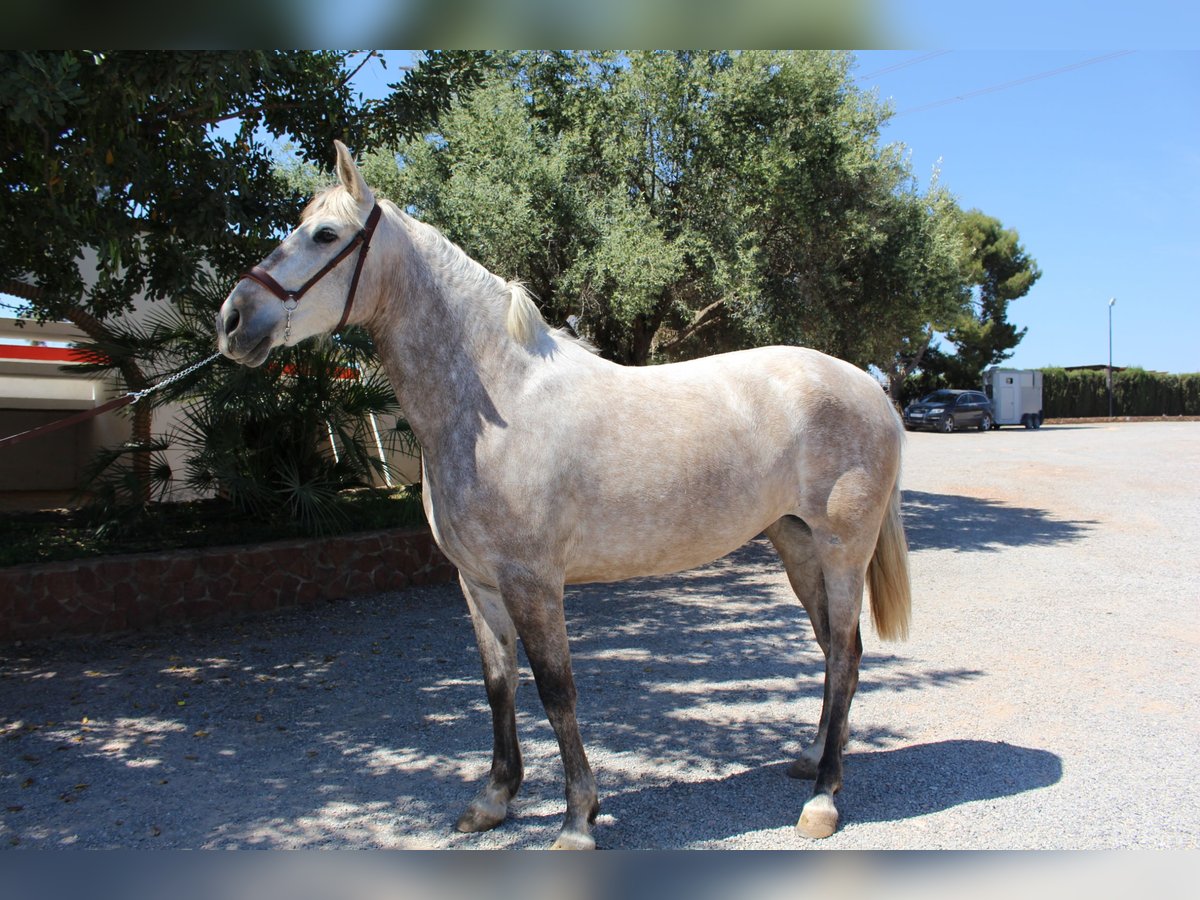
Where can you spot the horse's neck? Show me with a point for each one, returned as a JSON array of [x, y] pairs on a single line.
[[441, 336]]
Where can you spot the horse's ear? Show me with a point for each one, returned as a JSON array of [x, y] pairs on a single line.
[[348, 174]]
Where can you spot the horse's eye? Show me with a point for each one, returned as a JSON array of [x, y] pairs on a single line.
[[325, 236]]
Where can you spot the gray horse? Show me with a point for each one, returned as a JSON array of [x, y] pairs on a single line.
[[546, 465]]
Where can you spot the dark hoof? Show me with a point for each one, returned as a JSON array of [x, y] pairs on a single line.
[[481, 816]]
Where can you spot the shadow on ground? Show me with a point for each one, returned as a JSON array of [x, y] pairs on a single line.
[[365, 724], [881, 786], [954, 522]]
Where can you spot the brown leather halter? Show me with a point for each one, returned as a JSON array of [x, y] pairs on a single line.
[[362, 240]]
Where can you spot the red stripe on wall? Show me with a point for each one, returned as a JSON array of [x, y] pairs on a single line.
[[45, 354]]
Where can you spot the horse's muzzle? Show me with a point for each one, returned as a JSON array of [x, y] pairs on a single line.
[[239, 339]]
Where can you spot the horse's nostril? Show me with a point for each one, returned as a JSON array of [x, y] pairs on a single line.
[[232, 321]]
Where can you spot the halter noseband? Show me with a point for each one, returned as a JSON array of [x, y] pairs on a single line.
[[361, 240]]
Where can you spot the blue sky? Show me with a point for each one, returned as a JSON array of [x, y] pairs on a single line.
[[1035, 24], [1093, 157], [1097, 168]]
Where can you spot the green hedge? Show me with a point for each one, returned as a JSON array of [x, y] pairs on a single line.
[[1136, 392]]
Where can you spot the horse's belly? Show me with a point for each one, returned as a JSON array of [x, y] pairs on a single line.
[[628, 546], [603, 570], [679, 502]]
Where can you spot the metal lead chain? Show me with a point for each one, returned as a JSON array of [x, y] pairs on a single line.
[[171, 379]]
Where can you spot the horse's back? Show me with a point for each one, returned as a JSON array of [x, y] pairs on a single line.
[[761, 403], [671, 466]]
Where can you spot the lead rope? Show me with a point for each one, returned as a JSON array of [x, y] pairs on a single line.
[[171, 379], [130, 397]]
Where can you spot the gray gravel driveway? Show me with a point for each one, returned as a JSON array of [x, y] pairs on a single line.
[[1040, 703]]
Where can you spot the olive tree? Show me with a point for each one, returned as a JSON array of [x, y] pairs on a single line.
[[681, 203]]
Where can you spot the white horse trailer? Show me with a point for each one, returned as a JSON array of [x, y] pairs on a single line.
[[1016, 396]]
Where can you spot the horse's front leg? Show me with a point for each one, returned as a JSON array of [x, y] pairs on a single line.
[[497, 639], [536, 607]]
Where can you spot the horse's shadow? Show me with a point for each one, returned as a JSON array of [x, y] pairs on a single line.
[[881, 786], [363, 701]]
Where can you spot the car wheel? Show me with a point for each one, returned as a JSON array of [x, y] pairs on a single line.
[[1037, 421], [985, 424], [947, 424]]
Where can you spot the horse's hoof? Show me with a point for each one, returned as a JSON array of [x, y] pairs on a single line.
[[803, 768], [819, 818], [481, 816], [574, 840]]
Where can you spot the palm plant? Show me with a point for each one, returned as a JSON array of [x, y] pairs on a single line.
[[281, 442]]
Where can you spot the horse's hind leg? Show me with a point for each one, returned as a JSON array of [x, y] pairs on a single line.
[[793, 540], [537, 609], [827, 571], [497, 639], [844, 576]]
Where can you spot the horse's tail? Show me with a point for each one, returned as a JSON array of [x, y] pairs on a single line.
[[887, 576]]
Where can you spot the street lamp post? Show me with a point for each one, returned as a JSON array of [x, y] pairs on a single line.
[[1111, 303]]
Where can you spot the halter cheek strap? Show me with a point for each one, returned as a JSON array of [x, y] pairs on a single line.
[[361, 242]]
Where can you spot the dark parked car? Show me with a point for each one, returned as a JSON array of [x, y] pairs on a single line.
[[950, 411]]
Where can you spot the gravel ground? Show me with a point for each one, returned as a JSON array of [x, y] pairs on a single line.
[[1040, 703]]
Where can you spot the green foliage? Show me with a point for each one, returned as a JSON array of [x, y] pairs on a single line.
[[1000, 270], [262, 438], [1083, 393], [283, 440], [118, 153], [51, 535], [117, 486], [417, 102], [917, 385], [682, 203]]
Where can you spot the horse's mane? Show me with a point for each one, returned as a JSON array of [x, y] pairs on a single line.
[[527, 324], [523, 321], [335, 202]]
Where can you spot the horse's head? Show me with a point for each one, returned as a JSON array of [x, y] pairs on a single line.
[[307, 285]]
